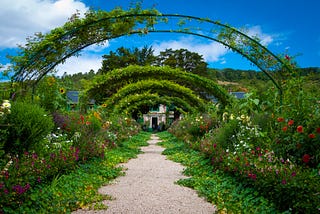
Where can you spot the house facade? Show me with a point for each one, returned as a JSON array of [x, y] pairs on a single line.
[[157, 117]]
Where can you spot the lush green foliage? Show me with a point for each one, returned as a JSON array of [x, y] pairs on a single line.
[[27, 125], [123, 57], [50, 94], [217, 187], [182, 58], [105, 85], [162, 88]]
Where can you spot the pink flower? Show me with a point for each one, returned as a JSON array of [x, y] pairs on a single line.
[[284, 182]]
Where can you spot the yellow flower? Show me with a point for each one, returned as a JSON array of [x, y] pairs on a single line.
[[51, 81], [97, 115], [106, 125], [62, 90], [104, 105]]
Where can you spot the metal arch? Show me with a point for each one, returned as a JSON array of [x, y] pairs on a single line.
[[23, 74]]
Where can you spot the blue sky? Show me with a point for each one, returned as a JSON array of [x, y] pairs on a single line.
[[285, 26]]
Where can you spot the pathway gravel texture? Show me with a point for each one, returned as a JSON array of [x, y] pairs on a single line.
[[148, 187]]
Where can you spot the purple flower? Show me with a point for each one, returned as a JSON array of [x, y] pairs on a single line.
[[34, 156], [18, 189]]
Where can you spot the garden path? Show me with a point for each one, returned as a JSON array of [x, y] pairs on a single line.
[[148, 187]]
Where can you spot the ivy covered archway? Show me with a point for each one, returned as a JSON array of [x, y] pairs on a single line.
[[107, 85]]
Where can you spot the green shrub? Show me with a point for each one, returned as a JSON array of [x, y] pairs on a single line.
[[29, 124]]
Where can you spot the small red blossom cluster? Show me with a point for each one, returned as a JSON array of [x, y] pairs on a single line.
[[299, 129]]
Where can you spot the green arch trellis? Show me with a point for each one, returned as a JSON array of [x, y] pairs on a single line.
[[131, 74], [162, 87], [44, 52], [137, 100]]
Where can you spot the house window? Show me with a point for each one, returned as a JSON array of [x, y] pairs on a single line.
[[154, 108]]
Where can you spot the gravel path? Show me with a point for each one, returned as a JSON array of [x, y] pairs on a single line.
[[148, 187]]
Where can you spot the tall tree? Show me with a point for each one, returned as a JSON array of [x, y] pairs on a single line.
[[124, 57], [182, 58]]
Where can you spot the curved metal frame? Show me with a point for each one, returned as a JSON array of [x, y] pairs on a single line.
[[255, 54]]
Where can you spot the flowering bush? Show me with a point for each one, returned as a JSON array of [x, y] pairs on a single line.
[[193, 127], [278, 156], [76, 139], [299, 143]]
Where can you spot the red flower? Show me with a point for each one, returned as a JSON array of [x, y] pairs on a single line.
[[300, 129], [290, 123], [280, 119], [284, 129], [306, 158], [312, 135], [318, 130], [287, 57]]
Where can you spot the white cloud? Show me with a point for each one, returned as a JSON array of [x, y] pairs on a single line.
[[266, 39], [80, 64], [211, 52], [22, 18]]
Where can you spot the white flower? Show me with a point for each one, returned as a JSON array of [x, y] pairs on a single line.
[[231, 117], [6, 105]]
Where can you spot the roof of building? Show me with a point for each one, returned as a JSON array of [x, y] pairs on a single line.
[[239, 94], [73, 96]]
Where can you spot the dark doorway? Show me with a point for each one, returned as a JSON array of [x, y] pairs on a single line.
[[154, 123]]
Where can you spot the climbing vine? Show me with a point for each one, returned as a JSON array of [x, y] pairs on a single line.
[[45, 51]]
